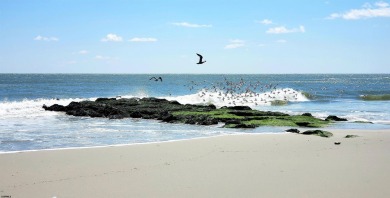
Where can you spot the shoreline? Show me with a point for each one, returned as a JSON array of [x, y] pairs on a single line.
[[140, 143], [178, 140], [246, 165]]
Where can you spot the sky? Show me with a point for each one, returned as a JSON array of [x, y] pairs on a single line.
[[155, 36]]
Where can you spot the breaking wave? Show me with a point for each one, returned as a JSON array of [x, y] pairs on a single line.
[[30, 108], [220, 98]]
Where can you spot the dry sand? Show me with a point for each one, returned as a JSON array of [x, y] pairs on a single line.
[[268, 165]]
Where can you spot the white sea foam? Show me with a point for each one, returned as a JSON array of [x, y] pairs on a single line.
[[30, 108], [220, 98]]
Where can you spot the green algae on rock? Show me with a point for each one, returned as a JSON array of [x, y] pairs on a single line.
[[320, 133], [174, 112]]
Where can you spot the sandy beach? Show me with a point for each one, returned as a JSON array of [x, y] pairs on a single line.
[[264, 165]]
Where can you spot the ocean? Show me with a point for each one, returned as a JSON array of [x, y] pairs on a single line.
[[364, 99]]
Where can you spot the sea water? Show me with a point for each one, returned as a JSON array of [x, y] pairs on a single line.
[[24, 125]]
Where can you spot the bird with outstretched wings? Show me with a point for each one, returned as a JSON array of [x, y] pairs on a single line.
[[200, 59]]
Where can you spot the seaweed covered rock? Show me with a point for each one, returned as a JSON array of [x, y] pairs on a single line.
[[193, 119], [320, 133], [174, 112]]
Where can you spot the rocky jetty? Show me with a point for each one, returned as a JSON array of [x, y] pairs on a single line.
[[174, 112]]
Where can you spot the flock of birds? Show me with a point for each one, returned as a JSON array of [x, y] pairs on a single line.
[[231, 93]]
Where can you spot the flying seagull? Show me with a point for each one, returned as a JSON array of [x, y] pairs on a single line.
[[200, 59], [156, 79]]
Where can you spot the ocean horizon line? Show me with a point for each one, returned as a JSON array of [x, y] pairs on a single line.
[[38, 73]]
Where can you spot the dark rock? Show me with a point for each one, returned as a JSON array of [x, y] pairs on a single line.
[[303, 124], [211, 106], [200, 120], [351, 136], [307, 114], [167, 117], [127, 102], [270, 113], [162, 115], [208, 121], [189, 121], [155, 100], [136, 114], [243, 113], [293, 130], [73, 106], [245, 126], [174, 102], [318, 133], [80, 112], [232, 122], [54, 107], [237, 108], [104, 99], [335, 118]]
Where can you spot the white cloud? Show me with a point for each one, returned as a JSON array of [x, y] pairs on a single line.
[[191, 25], [236, 43], [284, 30], [136, 39], [99, 57], [43, 38], [382, 4], [302, 29], [379, 9], [83, 52], [112, 37], [266, 22], [281, 41]]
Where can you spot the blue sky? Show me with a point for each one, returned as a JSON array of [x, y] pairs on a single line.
[[234, 36]]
